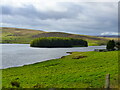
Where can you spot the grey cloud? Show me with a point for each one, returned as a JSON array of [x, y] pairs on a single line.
[[83, 18], [5, 10], [31, 12]]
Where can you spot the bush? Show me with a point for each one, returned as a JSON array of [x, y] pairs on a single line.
[[58, 42], [15, 83], [118, 45], [110, 45]]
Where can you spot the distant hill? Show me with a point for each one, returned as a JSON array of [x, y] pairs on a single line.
[[24, 36], [110, 36], [17, 35]]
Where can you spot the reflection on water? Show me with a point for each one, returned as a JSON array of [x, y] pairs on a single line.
[[14, 55]]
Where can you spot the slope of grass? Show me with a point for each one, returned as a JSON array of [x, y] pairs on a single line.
[[17, 35], [68, 72]]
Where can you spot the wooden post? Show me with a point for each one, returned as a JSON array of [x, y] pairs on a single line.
[[107, 82]]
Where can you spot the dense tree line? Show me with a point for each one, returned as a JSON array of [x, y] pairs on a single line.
[[112, 45], [58, 42]]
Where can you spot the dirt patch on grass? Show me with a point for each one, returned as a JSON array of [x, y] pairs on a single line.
[[78, 57]]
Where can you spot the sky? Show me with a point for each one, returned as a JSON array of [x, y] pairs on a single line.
[[71, 16]]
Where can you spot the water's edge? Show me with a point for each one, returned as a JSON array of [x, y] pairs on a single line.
[[34, 63], [17, 55]]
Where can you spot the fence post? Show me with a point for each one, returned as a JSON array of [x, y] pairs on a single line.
[[107, 82]]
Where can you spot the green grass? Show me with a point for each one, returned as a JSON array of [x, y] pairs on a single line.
[[87, 72], [25, 36]]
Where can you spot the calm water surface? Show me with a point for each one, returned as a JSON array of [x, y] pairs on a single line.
[[14, 55]]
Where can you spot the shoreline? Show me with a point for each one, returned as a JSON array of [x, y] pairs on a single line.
[[67, 53], [36, 62], [65, 47]]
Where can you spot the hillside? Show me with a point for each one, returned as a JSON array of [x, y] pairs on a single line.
[[19, 35]]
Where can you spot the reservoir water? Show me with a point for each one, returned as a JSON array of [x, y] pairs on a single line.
[[14, 55]]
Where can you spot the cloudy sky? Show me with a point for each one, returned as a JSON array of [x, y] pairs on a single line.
[[88, 18]]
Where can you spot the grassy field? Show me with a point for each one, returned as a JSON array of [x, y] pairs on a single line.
[[88, 71], [24, 36]]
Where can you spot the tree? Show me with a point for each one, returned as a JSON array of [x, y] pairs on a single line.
[[118, 45], [110, 45]]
